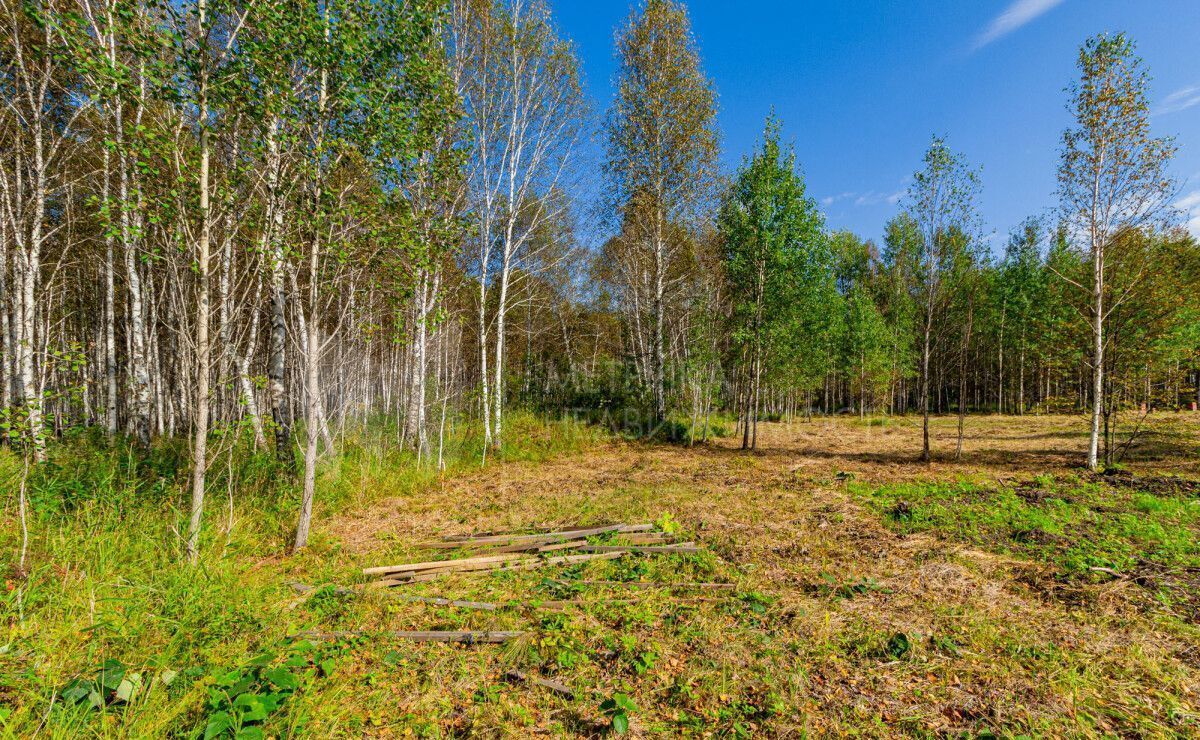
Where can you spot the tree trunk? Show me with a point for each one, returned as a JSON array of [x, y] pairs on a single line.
[[280, 408], [200, 444], [925, 452], [131, 229], [1093, 460]]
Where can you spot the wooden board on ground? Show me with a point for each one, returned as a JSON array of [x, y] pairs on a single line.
[[407, 577], [683, 548], [558, 688]]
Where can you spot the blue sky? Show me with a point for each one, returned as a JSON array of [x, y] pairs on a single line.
[[862, 85]]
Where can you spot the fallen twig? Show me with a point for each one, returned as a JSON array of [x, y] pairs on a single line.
[[558, 688]]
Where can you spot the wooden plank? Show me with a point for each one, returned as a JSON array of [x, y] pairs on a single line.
[[562, 546], [564, 560], [574, 534], [434, 600], [528, 564], [407, 579], [469, 638], [626, 528], [407, 567], [454, 566], [554, 686], [560, 605], [570, 559], [439, 601], [647, 539], [683, 548], [502, 546], [541, 546]]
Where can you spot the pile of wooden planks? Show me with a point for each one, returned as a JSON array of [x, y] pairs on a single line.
[[500, 551], [523, 551]]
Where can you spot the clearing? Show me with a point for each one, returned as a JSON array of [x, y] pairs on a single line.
[[1010, 593]]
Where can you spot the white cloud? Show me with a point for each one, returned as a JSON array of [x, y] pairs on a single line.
[[874, 198], [831, 199], [868, 198], [1190, 204], [1179, 100], [1014, 16]]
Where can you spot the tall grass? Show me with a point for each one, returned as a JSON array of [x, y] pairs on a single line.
[[107, 581]]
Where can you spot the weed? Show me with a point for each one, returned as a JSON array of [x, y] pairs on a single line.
[[617, 709]]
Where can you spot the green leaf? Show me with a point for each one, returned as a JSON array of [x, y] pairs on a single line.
[[271, 702], [111, 674], [218, 724], [261, 660], [251, 706], [899, 645], [76, 691], [167, 676], [625, 703], [302, 647], [282, 678], [620, 724]]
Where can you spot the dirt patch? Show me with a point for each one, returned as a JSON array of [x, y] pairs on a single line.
[[1160, 485]]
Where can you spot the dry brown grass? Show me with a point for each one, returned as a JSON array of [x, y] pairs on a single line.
[[1026, 652]]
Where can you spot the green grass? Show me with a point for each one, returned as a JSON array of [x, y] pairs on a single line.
[[1086, 529], [106, 580]]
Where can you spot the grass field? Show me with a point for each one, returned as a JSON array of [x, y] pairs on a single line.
[[1008, 594]]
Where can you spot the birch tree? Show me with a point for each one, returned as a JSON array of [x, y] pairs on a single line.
[[1112, 177], [209, 47], [523, 92], [41, 122], [941, 204], [662, 156]]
